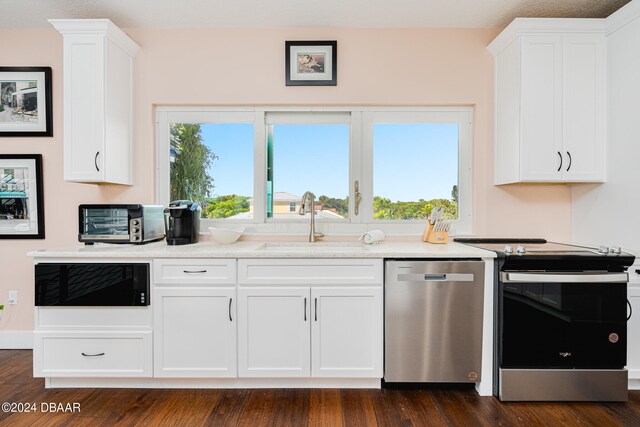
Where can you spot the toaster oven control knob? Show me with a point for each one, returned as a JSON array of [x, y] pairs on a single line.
[[603, 250], [616, 250], [135, 221], [521, 250], [136, 230], [508, 250], [136, 237]]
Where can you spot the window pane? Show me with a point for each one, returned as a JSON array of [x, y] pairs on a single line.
[[308, 157], [415, 168], [212, 164]]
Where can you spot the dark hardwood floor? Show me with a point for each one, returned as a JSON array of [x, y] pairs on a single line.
[[387, 407]]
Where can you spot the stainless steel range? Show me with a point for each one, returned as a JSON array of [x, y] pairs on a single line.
[[561, 320]]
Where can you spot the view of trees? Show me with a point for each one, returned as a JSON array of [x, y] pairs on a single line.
[[225, 206], [189, 179]]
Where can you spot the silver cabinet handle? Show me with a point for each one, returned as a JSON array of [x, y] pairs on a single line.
[[194, 271], [305, 309], [230, 301], [95, 161], [93, 355], [563, 278], [316, 309]]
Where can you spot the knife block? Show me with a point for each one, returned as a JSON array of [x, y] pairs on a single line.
[[432, 236]]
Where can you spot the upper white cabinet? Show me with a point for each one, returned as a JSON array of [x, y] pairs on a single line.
[[550, 101], [97, 94]]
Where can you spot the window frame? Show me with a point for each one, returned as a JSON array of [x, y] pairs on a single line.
[[361, 124]]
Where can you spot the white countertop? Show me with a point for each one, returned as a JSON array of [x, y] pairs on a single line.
[[260, 249]]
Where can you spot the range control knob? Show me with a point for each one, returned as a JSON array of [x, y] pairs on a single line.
[[603, 249], [521, 250], [508, 250], [615, 250]]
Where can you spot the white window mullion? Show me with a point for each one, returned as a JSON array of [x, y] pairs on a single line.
[[259, 168], [162, 159], [366, 159], [355, 166]]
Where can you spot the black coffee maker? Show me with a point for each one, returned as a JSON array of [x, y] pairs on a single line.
[[182, 222]]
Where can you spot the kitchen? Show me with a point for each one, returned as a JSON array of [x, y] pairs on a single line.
[[454, 68]]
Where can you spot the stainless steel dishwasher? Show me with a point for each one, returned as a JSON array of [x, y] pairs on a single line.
[[433, 321]]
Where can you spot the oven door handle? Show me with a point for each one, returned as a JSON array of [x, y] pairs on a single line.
[[564, 278]]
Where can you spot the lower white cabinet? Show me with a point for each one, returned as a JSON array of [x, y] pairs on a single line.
[[92, 354], [310, 331], [195, 332], [346, 332], [633, 333]]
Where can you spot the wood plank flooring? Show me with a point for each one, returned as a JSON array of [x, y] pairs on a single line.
[[434, 406]]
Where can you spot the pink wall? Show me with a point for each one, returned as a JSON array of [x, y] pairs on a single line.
[[375, 66]]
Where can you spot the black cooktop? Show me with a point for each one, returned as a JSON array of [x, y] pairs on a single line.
[[539, 254]]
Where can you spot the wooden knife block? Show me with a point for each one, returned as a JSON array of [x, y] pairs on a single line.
[[432, 236]]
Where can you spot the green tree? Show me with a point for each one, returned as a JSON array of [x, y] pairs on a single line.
[[454, 194], [340, 205], [189, 177], [226, 206]]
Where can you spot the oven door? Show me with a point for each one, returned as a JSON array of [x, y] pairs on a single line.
[[563, 320], [104, 223]]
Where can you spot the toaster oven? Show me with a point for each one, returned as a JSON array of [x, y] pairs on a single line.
[[120, 223]]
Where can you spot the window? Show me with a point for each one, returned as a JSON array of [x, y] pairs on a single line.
[[250, 164]]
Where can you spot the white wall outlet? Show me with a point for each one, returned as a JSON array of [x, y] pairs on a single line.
[[13, 297]]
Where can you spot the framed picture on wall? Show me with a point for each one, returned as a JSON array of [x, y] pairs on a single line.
[[25, 101], [21, 198], [311, 63]]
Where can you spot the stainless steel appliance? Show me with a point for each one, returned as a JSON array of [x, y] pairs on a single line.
[[561, 320], [182, 222], [92, 284], [120, 223], [433, 321]]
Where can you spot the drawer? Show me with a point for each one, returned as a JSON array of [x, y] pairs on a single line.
[[194, 271], [310, 271], [95, 354], [93, 318], [634, 274]]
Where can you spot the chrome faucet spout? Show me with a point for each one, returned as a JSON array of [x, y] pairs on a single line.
[[311, 208]]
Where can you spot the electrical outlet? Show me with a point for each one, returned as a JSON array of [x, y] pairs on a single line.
[[13, 297]]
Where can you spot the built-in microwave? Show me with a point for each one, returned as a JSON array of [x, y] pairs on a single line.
[[92, 284], [120, 223]]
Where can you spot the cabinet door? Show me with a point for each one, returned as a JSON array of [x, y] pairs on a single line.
[[195, 332], [633, 334], [347, 332], [541, 108], [274, 332], [584, 106], [84, 129]]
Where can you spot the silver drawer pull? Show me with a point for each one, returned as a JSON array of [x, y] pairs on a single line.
[[436, 277], [194, 271], [93, 355]]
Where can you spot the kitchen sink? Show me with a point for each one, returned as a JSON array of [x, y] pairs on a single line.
[[311, 247]]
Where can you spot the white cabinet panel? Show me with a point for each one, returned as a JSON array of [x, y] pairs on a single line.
[[195, 272], [92, 354], [633, 334], [347, 332], [195, 332], [274, 332]]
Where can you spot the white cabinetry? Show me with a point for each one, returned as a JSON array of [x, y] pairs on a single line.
[[97, 96], [330, 329], [550, 101], [633, 328], [195, 318]]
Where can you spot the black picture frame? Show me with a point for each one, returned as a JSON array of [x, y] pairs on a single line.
[[21, 102], [31, 227], [323, 57]]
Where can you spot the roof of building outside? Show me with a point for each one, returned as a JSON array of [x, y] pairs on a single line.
[[286, 197]]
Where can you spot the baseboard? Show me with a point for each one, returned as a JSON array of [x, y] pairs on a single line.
[[16, 340]]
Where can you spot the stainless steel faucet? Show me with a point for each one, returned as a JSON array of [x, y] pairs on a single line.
[[304, 208]]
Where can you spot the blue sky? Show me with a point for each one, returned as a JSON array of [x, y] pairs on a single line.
[[411, 161]]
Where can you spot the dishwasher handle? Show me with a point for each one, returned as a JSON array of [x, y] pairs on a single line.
[[436, 277]]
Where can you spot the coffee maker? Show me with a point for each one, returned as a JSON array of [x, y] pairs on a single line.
[[182, 222]]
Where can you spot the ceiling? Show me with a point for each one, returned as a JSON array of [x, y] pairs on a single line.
[[300, 13]]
